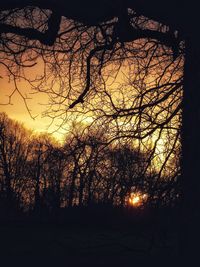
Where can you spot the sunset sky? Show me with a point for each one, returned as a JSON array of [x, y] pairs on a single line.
[[17, 109], [37, 104]]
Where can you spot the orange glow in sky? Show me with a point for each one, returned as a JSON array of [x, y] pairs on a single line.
[[137, 199], [12, 103]]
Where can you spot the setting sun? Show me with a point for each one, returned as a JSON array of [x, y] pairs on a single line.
[[137, 199]]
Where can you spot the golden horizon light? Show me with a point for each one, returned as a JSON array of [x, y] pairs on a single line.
[[137, 199]]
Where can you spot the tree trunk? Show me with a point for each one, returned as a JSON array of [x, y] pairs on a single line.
[[37, 185], [90, 177], [190, 217], [81, 187], [72, 187]]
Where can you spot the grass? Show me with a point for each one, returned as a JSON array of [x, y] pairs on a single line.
[[100, 241]]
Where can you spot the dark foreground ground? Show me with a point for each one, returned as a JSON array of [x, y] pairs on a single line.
[[101, 240]]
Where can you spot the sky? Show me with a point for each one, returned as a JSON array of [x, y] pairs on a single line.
[[17, 109], [36, 103]]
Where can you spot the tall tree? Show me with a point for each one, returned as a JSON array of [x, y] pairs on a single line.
[[14, 152]]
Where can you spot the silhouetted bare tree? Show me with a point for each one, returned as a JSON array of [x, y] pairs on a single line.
[[38, 174], [91, 36], [14, 152]]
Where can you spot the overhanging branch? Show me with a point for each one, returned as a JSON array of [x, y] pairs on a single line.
[[48, 37]]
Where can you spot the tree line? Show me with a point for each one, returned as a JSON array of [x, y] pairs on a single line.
[[38, 173]]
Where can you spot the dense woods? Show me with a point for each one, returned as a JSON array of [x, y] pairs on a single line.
[[37, 173]]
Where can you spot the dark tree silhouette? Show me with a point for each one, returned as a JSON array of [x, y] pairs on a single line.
[[14, 152], [98, 31], [38, 174]]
